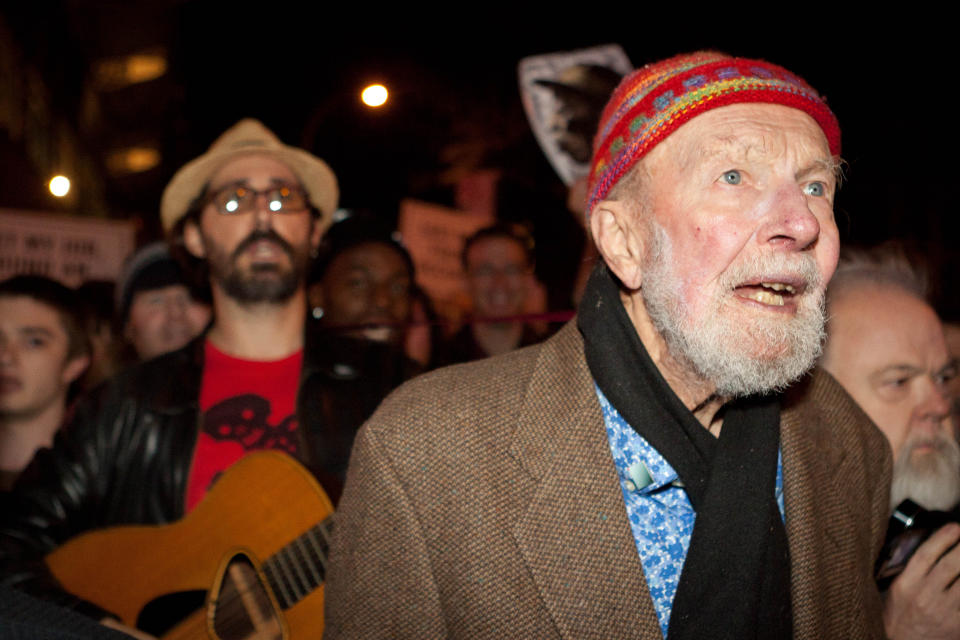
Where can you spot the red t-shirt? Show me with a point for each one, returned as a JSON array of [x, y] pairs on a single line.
[[246, 405]]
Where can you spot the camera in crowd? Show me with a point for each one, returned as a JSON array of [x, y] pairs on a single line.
[[910, 525]]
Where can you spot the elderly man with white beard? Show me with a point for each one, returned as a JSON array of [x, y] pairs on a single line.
[[646, 472], [886, 347]]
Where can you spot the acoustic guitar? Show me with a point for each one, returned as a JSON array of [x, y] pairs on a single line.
[[247, 563]]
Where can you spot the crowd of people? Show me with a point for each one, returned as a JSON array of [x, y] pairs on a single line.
[[362, 300], [711, 447]]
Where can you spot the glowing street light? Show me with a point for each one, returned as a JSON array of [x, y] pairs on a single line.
[[374, 96], [59, 186]]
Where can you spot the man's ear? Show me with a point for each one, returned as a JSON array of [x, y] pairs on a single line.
[[74, 369], [192, 239], [620, 241]]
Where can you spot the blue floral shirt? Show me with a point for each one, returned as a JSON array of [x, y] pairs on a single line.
[[659, 511]]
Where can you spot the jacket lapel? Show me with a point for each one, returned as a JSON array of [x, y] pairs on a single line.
[[577, 543], [818, 521], [574, 535]]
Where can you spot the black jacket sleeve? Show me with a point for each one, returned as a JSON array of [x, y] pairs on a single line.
[[122, 459], [56, 497]]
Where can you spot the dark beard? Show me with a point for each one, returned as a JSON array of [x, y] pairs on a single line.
[[264, 283]]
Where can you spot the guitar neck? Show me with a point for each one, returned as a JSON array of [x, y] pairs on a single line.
[[300, 567]]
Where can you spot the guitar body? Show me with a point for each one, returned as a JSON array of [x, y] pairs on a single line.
[[262, 503]]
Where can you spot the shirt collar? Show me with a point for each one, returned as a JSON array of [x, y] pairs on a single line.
[[641, 467]]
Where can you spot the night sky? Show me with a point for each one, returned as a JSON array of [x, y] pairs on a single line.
[[455, 104]]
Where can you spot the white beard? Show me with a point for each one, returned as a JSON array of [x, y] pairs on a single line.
[[930, 479], [738, 359]]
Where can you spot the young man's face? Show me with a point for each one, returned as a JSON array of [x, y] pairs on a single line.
[[35, 371], [257, 255], [368, 284]]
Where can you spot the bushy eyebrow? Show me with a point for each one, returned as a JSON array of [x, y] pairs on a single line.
[[947, 370], [907, 370], [901, 368], [832, 166]]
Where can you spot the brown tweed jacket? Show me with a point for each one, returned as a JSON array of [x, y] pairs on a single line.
[[482, 502]]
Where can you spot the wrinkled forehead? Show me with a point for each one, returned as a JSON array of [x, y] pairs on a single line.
[[257, 170], [748, 133], [890, 324]]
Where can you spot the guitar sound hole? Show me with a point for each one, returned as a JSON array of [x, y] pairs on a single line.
[[161, 614], [242, 609]]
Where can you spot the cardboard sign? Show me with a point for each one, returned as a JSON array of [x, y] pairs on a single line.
[[70, 249], [563, 95], [434, 236]]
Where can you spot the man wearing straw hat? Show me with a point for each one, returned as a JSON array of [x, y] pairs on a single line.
[[249, 215]]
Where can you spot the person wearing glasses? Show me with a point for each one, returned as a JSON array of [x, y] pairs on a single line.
[[248, 215], [498, 268], [886, 346]]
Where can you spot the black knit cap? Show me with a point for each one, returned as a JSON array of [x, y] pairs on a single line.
[[152, 267]]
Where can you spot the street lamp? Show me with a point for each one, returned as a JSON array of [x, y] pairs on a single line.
[[374, 95], [59, 186]]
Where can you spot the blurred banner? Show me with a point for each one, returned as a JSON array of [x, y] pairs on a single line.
[[70, 249], [434, 236]]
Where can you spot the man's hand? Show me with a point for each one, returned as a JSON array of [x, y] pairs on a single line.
[[130, 631], [924, 601]]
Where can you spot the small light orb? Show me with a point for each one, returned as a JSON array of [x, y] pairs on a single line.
[[59, 186], [374, 96], [275, 205]]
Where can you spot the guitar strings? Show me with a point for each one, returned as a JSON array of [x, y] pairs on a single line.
[[233, 616]]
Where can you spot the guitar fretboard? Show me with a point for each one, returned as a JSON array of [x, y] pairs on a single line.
[[301, 566]]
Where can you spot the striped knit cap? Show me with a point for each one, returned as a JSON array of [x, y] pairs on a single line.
[[652, 102]]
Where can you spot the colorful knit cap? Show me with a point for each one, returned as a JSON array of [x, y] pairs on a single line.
[[652, 102]]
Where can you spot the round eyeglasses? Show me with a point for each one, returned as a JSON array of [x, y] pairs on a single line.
[[238, 198]]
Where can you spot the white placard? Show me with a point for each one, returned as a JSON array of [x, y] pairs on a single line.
[[70, 249], [434, 236]]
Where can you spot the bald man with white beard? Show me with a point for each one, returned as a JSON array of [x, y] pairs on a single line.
[[886, 347]]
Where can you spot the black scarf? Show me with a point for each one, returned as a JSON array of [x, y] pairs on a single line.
[[736, 577]]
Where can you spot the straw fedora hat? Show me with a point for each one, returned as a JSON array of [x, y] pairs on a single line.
[[245, 137]]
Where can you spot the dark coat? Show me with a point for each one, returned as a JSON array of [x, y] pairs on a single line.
[[125, 457], [482, 502]]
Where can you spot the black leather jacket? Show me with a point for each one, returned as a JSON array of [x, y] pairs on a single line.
[[125, 457]]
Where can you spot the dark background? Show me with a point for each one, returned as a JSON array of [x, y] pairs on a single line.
[[455, 104]]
